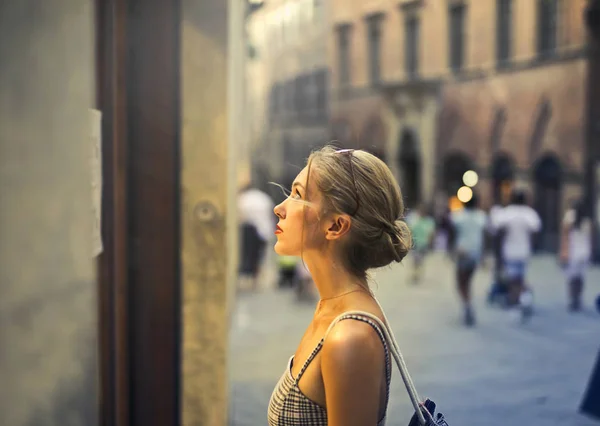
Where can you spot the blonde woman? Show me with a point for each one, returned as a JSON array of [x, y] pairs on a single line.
[[344, 216]]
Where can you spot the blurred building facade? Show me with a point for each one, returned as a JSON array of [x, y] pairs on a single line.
[[441, 87], [287, 74]]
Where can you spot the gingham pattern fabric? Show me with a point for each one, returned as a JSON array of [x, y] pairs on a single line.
[[289, 406]]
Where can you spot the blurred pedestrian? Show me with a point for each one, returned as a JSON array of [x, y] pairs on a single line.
[[288, 275], [519, 223], [422, 226], [591, 398], [256, 229], [576, 251], [470, 224], [444, 231], [498, 288]]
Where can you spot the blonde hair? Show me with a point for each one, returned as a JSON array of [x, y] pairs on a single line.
[[366, 190]]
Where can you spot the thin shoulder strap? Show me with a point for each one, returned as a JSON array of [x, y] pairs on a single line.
[[389, 336], [354, 315], [312, 356]]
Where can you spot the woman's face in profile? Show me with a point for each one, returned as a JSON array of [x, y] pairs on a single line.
[[298, 217]]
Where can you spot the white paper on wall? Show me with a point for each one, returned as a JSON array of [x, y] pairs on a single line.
[[96, 169]]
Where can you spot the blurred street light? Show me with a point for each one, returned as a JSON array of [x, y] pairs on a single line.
[[464, 194], [470, 178]]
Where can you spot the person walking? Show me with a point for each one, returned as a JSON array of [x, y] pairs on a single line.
[[576, 251], [256, 229], [470, 224], [518, 222], [422, 227]]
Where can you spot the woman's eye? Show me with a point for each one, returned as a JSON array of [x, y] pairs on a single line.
[[296, 195]]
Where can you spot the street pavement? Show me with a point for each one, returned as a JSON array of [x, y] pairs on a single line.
[[499, 373]]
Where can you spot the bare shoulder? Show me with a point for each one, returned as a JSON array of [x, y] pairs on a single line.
[[351, 342], [352, 367]]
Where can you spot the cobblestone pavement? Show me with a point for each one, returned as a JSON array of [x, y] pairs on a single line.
[[497, 374]]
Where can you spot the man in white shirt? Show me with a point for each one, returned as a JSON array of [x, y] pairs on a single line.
[[518, 222]]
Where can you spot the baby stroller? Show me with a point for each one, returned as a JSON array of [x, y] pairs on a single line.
[[498, 294], [499, 289]]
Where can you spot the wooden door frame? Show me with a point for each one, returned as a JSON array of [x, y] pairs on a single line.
[[139, 269], [111, 100], [154, 206]]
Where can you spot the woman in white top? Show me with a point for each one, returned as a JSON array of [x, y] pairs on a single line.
[[576, 250]]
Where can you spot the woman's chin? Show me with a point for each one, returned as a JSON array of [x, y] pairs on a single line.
[[278, 249], [281, 250]]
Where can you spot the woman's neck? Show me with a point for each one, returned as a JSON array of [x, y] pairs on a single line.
[[330, 277]]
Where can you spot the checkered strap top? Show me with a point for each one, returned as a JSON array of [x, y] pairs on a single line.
[[290, 407]]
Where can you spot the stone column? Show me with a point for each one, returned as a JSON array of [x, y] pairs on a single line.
[[428, 131], [48, 324], [208, 206]]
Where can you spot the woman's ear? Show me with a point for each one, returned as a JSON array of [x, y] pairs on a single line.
[[338, 226]]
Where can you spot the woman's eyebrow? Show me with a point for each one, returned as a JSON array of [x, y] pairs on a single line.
[[297, 184]]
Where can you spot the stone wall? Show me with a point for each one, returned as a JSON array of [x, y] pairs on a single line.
[[48, 293]]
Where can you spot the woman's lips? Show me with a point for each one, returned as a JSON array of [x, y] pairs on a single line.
[[278, 230]]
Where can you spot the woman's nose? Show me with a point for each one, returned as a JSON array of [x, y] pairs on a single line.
[[279, 211]]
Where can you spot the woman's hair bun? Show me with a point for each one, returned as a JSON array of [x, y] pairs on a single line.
[[402, 239], [393, 245], [359, 184]]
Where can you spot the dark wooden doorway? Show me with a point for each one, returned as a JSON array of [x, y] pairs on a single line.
[[548, 195], [138, 272], [409, 163], [503, 174], [455, 166]]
